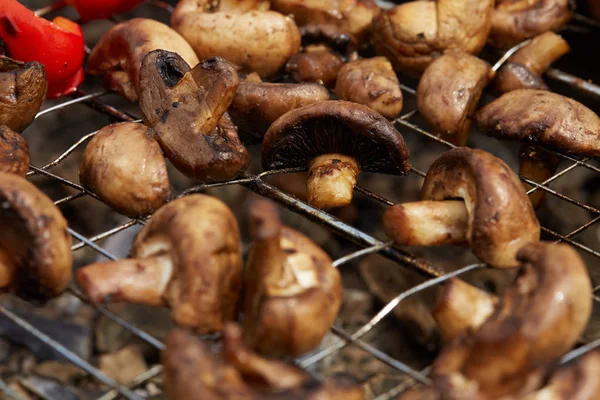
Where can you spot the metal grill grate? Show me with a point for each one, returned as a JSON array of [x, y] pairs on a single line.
[[369, 244]]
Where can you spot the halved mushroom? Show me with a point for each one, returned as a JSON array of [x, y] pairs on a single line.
[[290, 282], [244, 33], [449, 91], [524, 69], [186, 108], [35, 246], [335, 140], [493, 214], [535, 322], [118, 55], [537, 165], [22, 91], [543, 118], [124, 166], [187, 257], [193, 372], [514, 21], [372, 82], [412, 34], [14, 152]]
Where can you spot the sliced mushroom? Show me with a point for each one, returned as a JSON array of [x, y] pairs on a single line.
[[14, 152], [187, 108], [494, 215], [537, 165], [118, 56], [256, 106], [335, 140], [449, 91], [35, 246], [514, 21], [412, 34], [290, 282], [535, 322], [543, 118], [524, 69], [22, 91], [371, 82], [187, 257], [242, 32], [124, 166], [193, 372]]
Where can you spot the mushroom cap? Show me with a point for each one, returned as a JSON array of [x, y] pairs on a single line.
[[14, 152], [34, 240], [575, 381], [501, 218], [334, 37], [22, 91], [339, 127]]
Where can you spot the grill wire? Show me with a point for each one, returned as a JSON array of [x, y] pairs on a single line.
[[369, 244]]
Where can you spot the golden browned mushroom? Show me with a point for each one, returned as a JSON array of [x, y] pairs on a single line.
[[293, 293], [449, 91], [543, 118], [524, 69], [243, 32], [124, 166], [469, 197], [186, 108], [335, 140], [372, 82], [118, 56], [187, 257], [193, 372], [14, 152], [537, 165], [516, 20], [35, 246], [22, 91], [412, 34]]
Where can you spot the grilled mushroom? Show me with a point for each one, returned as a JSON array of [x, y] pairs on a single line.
[[193, 372], [412, 34], [22, 91], [335, 140], [243, 32], [371, 82], [535, 322], [187, 257], [14, 152], [35, 246], [493, 216], [543, 118], [537, 165], [124, 166], [186, 108], [118, 56], [449, 91], [290, 282]]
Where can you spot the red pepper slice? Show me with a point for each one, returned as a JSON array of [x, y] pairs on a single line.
[[58, 45], [102, 9]]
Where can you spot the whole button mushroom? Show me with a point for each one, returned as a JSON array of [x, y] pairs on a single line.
[[335, 140], [186, 108], [290, 282], [23, 89], [493, 216], [118, 55], [35, 245], [124, 166], [14, 152], [449, 91], [243, 32], [187, 257]]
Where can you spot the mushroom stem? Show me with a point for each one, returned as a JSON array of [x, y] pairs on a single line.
[[428, 223], [331, 180], [537, 165], [139, 281], [7, 268]]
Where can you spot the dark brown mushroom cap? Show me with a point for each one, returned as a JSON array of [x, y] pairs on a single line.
[[14, 152], [501, 218], [35, 245], [334, 37], [22, 92], [339, 127]]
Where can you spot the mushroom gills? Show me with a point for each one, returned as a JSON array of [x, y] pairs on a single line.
[[331, 180]]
